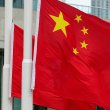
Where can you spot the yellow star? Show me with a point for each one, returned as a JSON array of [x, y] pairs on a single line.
[[84, 44], [60, 23], [78, 18], [84, 30], [75, 51]]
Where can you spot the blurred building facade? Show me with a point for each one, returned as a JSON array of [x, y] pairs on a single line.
[[101, 8]]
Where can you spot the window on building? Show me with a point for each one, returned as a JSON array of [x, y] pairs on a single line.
[[93, 3], [99, 12], [107, 4], [19, 4], [16, 3], [35, 4], [107, 8], [2, 3], [106, 13], [16, 104]]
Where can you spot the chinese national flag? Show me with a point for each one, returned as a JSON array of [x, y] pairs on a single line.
[[73, 55], [50, 100]]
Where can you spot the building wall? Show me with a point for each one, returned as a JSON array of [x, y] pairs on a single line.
[[17, 19], [101, 8]]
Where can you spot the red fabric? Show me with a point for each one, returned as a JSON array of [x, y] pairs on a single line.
[[17, 61], [62, 74], [45, 99]]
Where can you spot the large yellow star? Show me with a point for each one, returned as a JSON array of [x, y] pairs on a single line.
[[75, 51], [84, 44], [78, 18], [84, 30], [60, 23]]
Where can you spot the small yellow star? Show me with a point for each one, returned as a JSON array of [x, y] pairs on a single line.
[[75, 51], [61, 24], [84, 44], [78, 18], [84, 30]]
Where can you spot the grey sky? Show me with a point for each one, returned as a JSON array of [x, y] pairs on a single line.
[[79, 2]]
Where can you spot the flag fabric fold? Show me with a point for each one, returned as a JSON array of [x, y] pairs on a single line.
[[72, 60]]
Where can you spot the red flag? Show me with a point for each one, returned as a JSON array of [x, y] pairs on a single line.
[[73, 55], [50, 100], [17, 57]]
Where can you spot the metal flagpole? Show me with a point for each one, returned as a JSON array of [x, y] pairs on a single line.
[[35, 44], [27, 99], [6, 102]]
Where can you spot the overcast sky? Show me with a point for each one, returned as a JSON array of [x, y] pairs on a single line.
[[79, 2]]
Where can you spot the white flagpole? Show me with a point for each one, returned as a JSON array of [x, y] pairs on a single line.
[[6, 102], [27, 97], [11, 60], [35, 44]]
